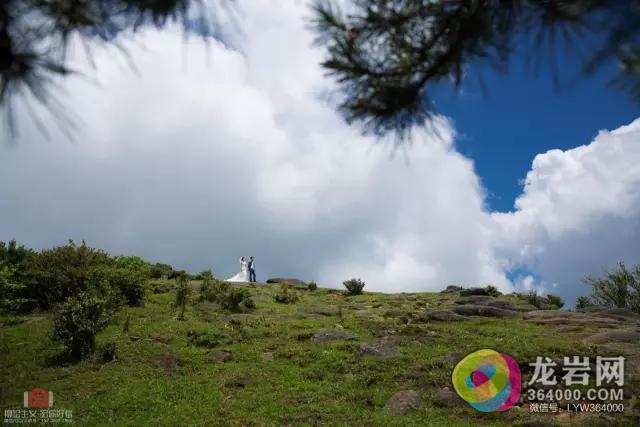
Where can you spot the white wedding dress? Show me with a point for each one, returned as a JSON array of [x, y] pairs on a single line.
[[243, 276]]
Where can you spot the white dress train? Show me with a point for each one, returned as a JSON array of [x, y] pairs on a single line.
[[243, 275]]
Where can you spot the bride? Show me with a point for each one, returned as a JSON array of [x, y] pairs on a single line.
[[243, 276]]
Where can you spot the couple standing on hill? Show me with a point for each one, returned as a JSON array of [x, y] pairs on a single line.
[[247, 271]]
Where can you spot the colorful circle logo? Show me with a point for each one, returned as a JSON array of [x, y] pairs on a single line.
[[489, 381]]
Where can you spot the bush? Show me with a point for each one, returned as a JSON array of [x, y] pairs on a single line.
[[555, 300], [210, 288], [286, 295], [619, 288], [12, 293], [312, 286], [203, 275], [583, 302], [492, 291], [534, 299], [160, 271], [107, 352], [129, 282], [182, 295], [236, 300], [354, 286], [78, 320], [55, 274], [205, 339]]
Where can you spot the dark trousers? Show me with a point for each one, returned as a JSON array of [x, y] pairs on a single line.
[[252, 275]]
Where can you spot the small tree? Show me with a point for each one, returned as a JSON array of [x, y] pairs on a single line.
[[78, 320], [182, 295], [555, 300], [492, 291], [619, 288], [235, 299], [354, 286], [583, 302]]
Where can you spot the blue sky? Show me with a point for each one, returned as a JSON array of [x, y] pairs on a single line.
[[524, 114]]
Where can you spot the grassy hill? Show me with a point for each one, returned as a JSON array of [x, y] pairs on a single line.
[[305, 363]]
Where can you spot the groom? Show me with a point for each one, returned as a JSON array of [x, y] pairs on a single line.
[[252, 269]]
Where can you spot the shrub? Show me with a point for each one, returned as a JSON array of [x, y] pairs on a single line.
[[12, 293], [354, 286], [78, 320], [286, 295], [619, 288], [206, 274], [492, 291], [160, 271], [182, 295], [209, 289], [107, 352], [129, 282], [534, 299], [205, 339], [55, 274], [236, 300], [583, 302], [555, 300], [312, 286]]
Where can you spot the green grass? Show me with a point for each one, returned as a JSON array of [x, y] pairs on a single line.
[[294, 381]]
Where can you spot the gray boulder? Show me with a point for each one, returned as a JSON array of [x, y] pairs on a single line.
[[443, 316], [333, 335], [473, 291], [381, 349], [485, 311], [475, 299], [402, 402]]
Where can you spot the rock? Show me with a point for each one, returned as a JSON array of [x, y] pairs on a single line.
[[619, 314], [445, 398], [444, 316], [473, 291], [559, 317], [382, 349], [237, 318], [135, 338], [500, 303], [238, 382], [475, 299], [219, 356], [165, 361], [287, 281], [164, 339], [485, 311], [322, 311], [333, 335], [525, 307], [402, 402], [267, 356], [453, 357], [617, 335]]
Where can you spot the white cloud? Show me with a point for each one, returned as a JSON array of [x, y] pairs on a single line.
[[233, 152], [579, 212]]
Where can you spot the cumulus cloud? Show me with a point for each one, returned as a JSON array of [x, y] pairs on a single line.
[[579, 213], [233, 152]]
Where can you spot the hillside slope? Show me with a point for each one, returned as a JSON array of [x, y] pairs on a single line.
[[328, 359]]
